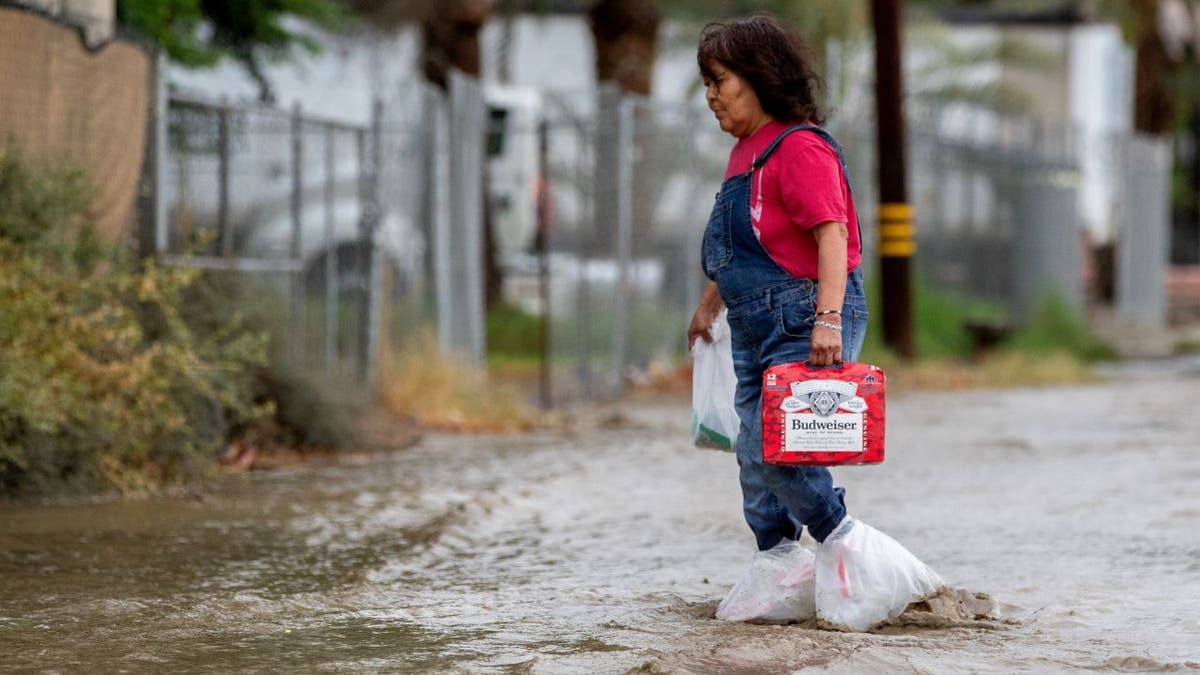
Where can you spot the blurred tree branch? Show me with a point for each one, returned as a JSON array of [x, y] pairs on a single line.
[[199, 33]]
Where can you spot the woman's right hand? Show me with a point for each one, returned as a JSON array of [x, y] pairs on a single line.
[[705, 315]]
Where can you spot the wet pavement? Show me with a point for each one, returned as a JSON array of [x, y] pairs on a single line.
[[607, 548]]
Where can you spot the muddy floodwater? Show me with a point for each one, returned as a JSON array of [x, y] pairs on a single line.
[[1077, 510]]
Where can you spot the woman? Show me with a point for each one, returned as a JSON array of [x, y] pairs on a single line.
[[782, 250]]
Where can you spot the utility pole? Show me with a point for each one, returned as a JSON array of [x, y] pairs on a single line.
[[897, 242]]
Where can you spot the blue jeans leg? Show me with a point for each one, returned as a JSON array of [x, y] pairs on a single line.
[[776, 500]]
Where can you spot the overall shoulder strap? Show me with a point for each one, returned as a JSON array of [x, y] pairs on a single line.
[[819, 131], [829, 140]]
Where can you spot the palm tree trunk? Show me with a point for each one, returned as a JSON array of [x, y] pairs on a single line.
[[625, 33], [450, 30], [1154, 97]]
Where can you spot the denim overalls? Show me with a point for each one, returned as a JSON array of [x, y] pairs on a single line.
[[771, 316]]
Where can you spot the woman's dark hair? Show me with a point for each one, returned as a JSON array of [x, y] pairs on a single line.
[[772, 58]]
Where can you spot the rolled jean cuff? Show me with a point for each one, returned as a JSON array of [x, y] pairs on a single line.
[[825, 527]]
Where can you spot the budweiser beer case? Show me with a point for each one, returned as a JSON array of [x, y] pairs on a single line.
[[823, 416]]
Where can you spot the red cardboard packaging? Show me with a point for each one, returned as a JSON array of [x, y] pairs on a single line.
[[823, 416]]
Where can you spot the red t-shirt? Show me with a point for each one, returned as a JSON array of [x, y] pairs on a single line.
[[801, 185]]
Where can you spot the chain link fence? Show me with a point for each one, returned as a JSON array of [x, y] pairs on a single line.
[[344, 240], [997, 200], [352, 237], [628, 181]]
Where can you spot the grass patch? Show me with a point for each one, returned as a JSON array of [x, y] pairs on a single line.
[[940, 318], [442, 392], [1054, 347], [1003, 369], [513, 335], [1055, 327], [1185, 347]]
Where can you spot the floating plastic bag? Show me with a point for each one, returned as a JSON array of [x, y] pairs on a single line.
[[865, 577], [714, 420], [777, 588]]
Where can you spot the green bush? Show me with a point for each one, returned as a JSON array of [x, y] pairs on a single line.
[[940, 318], [513, 334], [103, 383], [1055, 327]]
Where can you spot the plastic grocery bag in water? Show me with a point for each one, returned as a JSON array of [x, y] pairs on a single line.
[[777, 588], [865, 577], [714, 420]]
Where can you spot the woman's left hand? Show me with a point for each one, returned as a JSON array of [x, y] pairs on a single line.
[[826, 347]]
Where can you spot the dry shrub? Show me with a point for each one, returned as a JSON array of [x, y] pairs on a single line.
[[103, 384], [440, 392], [999, 370]]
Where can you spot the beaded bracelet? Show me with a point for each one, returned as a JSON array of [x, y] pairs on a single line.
[[829, 311], [826, 324]]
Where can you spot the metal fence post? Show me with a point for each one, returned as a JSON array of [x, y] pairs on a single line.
[[542, 244], [375, 292], [466, 141], [161, 152], [361, 260], [424, 211], [603, 232], [371, 269], [624, 185], [693, 236], [296, 251], [583, 293], [440, 220], [331, 253], [475, 155], [224, 236]]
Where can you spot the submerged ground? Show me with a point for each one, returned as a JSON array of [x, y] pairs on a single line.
[[605, 550]]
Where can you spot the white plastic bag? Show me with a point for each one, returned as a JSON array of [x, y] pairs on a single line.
[[777, 588], [864, 577], [714, 420]]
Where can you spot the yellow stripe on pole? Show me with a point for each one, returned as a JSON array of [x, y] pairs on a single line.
[[897, 249], [896, 231], [895, 211]]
